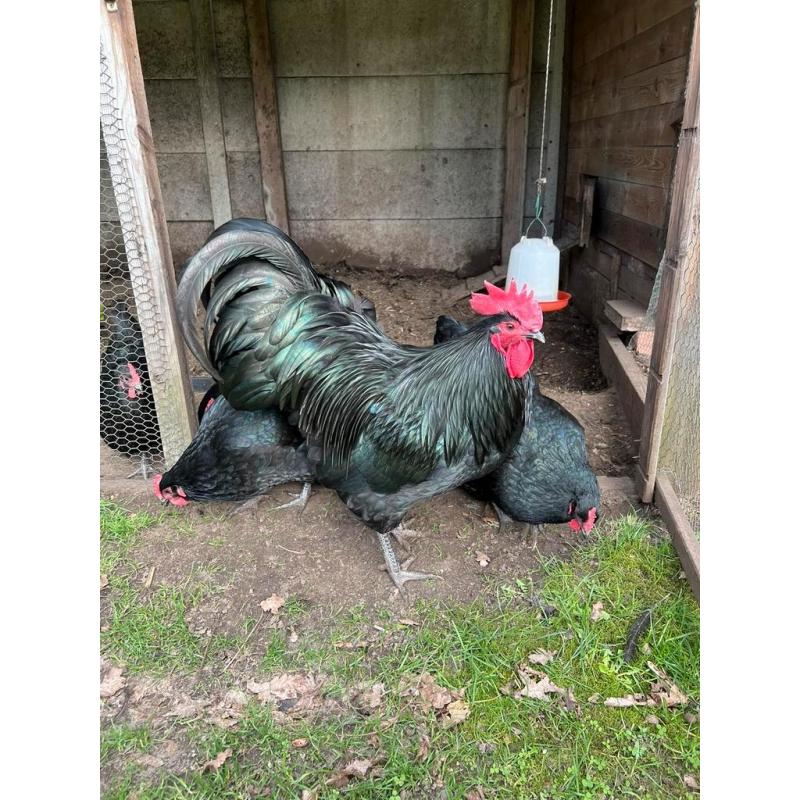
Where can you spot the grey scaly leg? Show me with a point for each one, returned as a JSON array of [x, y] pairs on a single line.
[[300, 499], [247, 505], [536, 530], [398, 575], [502, 518], [144, 469]]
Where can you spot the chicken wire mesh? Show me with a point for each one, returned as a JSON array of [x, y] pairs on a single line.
[[133, 358], [679, 455]]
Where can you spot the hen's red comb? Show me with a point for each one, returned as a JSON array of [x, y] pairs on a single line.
[[521, 305]]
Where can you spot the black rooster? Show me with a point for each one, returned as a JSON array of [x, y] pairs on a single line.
[[240, 454], [127, 409], [546, 478], [387, 426]]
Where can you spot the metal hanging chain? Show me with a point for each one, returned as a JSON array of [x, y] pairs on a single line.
[[541, 180]]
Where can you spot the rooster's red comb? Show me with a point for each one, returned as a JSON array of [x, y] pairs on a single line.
[[521, 305]]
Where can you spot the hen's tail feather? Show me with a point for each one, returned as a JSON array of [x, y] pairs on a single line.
[[448, 328], [227, 247]]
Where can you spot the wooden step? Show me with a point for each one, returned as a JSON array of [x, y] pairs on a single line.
[[626, 315]]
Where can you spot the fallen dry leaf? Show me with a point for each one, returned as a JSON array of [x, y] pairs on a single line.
[[457, 712], [272, 604], [664, 690], [309, 794], [598, 612], [103, 582], [293, 637], [219, 759], [408, 622], [652, 719], [628, 701], [691, 783], [430, 694], [690, 718], [350, 645], [594, 698], [299, 743], [475, 794], [295, 691], [482, 559], [147, 581], [112, 682], [357, 768], [370, 698], [541, 657], [424, 747]]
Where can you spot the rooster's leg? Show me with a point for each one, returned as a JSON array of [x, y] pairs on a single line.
[[299, 499], [144, 469], [502, 518], [393, 567]]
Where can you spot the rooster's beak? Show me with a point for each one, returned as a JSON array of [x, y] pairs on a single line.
[[539, 336]]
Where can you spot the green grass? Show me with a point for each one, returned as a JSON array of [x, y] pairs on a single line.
[[511, 748], [121, 739], [147, 630]]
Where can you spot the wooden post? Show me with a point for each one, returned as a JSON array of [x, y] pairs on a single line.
[[682, 245], [517, 110], [554, 118], [138, 193], [211, 110], [265, 99]]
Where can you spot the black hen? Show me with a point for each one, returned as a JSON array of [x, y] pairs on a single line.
[[235, 455], [387, 426], [546, 478], [128, 420]]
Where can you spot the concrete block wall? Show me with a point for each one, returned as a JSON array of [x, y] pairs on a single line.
[[392, 120]]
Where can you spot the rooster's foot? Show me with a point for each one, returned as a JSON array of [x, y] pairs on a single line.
[[299, 499], [144, 469], [405, 537], [248, 505], [398, 572], [502, 518]]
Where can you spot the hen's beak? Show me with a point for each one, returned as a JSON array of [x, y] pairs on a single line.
[[539, 336]]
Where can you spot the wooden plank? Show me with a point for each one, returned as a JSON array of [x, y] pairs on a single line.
[[554, 117], [663, 42], [650, 87], [517, 110], [637, 201], [682, 248], [588, 185], [148, 247], [683, 537], [211, 110], [640, 240], [624, 374], [614, 278], [653, 125], [651, 166], [628, 20], [265, 100], [625, 315], [636, 279]]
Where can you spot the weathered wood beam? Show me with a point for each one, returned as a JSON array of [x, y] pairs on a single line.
[[265, 99], [136, 185], [211, 110], [517, 110], [682, 247]]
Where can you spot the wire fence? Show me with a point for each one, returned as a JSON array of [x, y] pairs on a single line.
[[129, 314]]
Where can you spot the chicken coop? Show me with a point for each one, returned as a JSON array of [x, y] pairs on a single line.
[[415, 137]]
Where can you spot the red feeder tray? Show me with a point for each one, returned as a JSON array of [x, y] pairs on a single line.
[[557, 305]]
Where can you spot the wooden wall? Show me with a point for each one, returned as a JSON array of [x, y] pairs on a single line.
[[392, 121], [627, 76]]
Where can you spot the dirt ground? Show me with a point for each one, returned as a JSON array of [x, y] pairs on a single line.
[[329, 559]]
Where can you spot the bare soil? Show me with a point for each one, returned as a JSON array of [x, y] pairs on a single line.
[[329, 559]]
